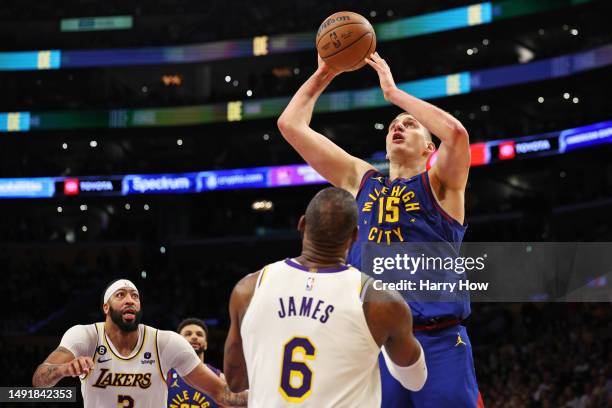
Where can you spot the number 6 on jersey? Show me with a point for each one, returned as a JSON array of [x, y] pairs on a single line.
[[296, 375]]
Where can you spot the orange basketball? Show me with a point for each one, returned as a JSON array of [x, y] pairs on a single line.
[[344, 39]]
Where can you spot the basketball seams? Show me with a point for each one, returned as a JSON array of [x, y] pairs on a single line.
[[336, 27], [349, 46], [369, 48]]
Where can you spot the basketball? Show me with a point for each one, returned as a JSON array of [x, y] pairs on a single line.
[[344, 39]]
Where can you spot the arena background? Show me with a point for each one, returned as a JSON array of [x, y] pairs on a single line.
[[179, 87]]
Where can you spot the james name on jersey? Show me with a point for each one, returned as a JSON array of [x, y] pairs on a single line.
[[289, 308]]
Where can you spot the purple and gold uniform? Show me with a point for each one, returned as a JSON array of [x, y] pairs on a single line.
[[405, 210], [182, 395]]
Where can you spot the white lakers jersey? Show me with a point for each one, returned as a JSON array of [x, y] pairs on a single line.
[[135, 381], [306, 340]]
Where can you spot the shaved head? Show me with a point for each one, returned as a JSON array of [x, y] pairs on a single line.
[[331, 217]]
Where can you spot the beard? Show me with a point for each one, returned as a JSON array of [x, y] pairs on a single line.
[[117, 318]]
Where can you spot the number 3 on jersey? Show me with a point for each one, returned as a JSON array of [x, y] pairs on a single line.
[[125, 401], [296, 375]]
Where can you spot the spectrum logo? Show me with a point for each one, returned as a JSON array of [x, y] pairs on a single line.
[[71, 186]]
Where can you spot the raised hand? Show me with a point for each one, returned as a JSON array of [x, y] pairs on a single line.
[[387, 84], [325, 68]]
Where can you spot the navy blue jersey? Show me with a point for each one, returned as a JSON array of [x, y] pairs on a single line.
[[181, 394], [405, 210]]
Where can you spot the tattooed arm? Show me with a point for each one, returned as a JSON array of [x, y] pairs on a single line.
[[60, 363], [202, 378], [234, 399]]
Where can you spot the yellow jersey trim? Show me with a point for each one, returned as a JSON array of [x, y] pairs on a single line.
[[263, 274], [93, 357], [158, 358], [144, 340]]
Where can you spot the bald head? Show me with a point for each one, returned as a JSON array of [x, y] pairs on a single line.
[[331, 217]]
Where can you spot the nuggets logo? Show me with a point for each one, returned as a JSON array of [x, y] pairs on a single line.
[[193, 399], [389, 206], [110, 379]]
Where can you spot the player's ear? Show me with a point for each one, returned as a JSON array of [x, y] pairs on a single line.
[[430, 148], [105, 308], [302, 225], [354, 236]]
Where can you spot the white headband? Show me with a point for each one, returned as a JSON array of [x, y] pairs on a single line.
[[120, 284]]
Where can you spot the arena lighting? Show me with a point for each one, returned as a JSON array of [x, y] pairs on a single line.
[[262, 205], [369, 98], [96, 23], [484, 153], [228, 78], [451, 19], [170, 80]]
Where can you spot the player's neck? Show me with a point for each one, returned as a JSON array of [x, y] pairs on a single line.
[[124, 342], [201, 356], [314, 257], [405, 170]]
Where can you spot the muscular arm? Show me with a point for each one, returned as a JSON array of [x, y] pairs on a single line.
[[60, 363], [332, 162], [205, 380], [390, 322], [449, 174], [234, 364]]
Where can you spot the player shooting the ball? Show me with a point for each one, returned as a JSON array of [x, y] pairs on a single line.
[[410, 205]]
